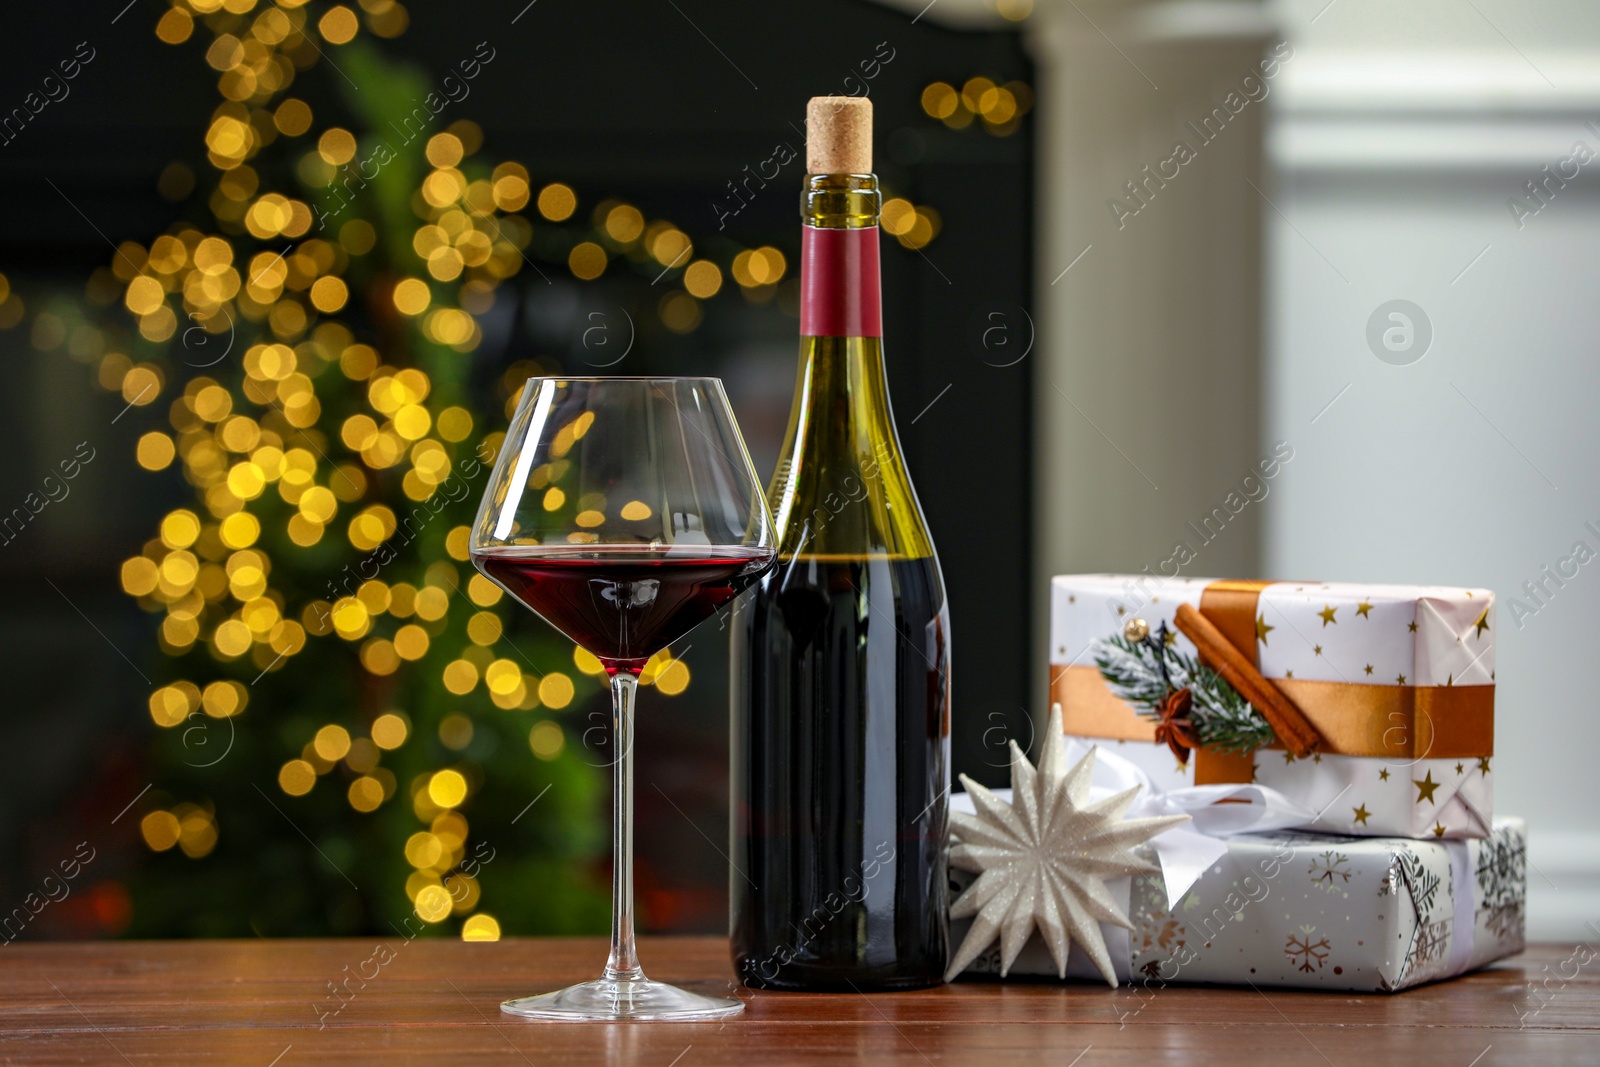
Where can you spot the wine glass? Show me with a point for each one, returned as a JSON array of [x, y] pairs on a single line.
[[623, 511]]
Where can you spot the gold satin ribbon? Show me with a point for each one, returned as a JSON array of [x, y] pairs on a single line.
[[1400, 721], [1232, 607]]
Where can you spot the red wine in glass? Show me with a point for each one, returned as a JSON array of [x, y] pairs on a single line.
[[624, 511], [624, 603]]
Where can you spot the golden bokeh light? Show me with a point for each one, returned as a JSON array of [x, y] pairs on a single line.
[[460, 677], [482, 592], [556, 690], [679, 312], [670, 246], [896, 216], [411, 642], [332, 742], [329, 294], [484, 628], [447, 789], [433, 904], [702, 278], [557, 202], [297, 777], [587, 260], [546, 739], [389, 731], [673, 678], [423, 849], [160, 830], [444, 150], [502, 677], [412, 296], [338, 25], [586, 662], [940, 100], [624, 223], [480, 927], [365, 793], [175, 26], [292, 118]]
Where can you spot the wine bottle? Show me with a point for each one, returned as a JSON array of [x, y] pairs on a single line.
[[841, 661]]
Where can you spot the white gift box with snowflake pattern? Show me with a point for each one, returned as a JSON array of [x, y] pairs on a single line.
[[1317, 911]]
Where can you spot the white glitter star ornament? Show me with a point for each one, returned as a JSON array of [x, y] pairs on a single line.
[[1042, 860]]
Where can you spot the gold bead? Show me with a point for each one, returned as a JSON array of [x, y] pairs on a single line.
[[1136, 630]]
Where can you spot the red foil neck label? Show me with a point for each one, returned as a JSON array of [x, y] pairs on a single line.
[[839, 295]]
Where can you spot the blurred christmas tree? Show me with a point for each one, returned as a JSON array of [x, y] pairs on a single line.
[[343, 693]]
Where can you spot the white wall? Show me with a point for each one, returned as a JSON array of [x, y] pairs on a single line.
[[1400, 133]]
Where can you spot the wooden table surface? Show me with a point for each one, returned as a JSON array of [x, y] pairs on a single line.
[[257, 1003]]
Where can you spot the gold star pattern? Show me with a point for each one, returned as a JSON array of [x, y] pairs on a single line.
[[1288, 674], [1316, 757], [1072, 598], [1169, 639], [1121, 610], [1425, 788], [1458, 768], [1262, 629], [1438, 829], [1316, 649], [1327, 613], [1482, 624], [1400, 679], [1369, 668], [1364, 610], [1383, 775], [1361, 814], [1483, 764], [1412, 626], [1288, 757]]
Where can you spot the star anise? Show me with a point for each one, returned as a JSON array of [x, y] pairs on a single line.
[[1175, 728]]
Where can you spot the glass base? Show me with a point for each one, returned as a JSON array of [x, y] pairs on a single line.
[[611, 999]]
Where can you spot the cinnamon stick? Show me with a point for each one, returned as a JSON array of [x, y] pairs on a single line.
[[1216, 652]]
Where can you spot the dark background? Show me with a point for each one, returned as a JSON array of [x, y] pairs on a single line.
[[615, 99]]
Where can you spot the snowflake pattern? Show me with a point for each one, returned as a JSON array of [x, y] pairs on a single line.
[[1430, 948], [1502, 878], [1329, 870], [1421, 884], [1169, 937], [1307, 955], [1502, 869]]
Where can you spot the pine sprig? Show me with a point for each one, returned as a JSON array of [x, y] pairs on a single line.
[[1222, 718]]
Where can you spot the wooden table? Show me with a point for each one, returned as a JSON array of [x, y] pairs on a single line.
[[257, 1004]]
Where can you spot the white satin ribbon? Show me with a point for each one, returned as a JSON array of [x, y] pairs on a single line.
[[1216, 812], [1465, 903]]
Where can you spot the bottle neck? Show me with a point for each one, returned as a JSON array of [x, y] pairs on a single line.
[[841, 488], [839, 289]]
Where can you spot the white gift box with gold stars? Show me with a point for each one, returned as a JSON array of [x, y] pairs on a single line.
[[1397, 679]]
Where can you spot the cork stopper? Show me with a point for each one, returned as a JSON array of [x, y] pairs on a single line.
[[839, 135]]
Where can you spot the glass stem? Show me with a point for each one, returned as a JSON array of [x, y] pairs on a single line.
[[624, 962]]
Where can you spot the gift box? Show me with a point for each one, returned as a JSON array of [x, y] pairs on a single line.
[[1398, 682], [1312, 911]]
